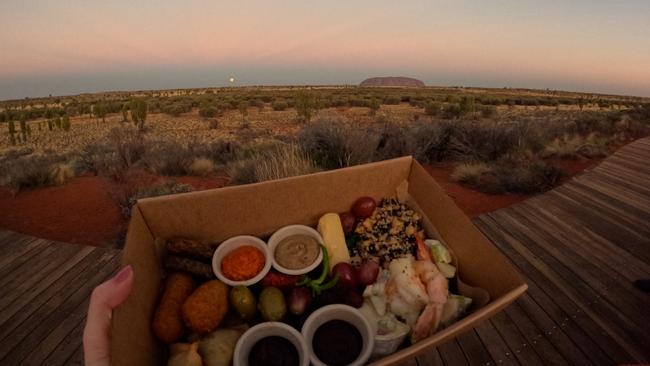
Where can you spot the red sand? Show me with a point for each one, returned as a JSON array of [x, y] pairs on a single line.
[[472, 202], [85, 211], [82, 211]]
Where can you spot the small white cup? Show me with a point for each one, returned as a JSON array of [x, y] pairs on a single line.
[[290, 230], [235, 242], [268, 329], [339, 312]]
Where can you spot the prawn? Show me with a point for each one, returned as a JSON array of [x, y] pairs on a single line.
[[437, 290]]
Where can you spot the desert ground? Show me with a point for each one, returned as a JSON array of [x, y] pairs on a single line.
[[73, 166]]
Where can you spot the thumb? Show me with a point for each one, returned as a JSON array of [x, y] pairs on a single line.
[[105, 297]]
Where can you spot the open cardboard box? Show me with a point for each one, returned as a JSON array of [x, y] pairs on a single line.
[[259, 209]]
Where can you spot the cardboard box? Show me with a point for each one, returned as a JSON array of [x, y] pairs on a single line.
[[259, 209]]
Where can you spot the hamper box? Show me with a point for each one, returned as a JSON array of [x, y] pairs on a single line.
[[259, 209]]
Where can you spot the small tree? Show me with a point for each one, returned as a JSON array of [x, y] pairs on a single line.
[[12, 132], [243, 109], [65, 123], [305, 105], [138, 112], [99, 110], [125, 112], [466, 105], [374, 106], [23, 127]]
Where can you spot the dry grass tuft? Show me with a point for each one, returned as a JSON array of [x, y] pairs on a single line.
[[282, 162], [470, 173], [61, 173], [201, 166]]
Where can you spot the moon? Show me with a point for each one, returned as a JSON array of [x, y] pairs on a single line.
[[232, 79]]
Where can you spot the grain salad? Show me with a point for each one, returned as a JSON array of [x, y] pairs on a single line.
[[389, 233]]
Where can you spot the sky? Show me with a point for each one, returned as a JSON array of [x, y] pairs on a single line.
[[63, 47]]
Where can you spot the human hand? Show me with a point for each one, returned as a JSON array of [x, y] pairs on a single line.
[[105, 297]]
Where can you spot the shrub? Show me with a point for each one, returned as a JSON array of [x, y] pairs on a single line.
[[279, 105], [392, 100], [518, 174], [33, 171], [432, 108], [207, 111], [332, 143], [167, 157], [451, 111], [126, 200], [488, 111], [201, 166]]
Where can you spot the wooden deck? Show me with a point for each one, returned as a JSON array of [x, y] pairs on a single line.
[[580, 247]]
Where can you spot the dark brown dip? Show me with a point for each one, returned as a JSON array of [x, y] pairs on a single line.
[[337, 343], [274, 351], [296, 251]]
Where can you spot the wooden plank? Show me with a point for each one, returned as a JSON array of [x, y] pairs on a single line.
[[13, 247], [557, 304], [499, 350], [619, 260], [17, 262], [630, 334], [515, 340], [52, 268], [475, 351], [578, 260], [26, 339], [544, 348], [430, 358], [20, 309], [20, 325], [70, 330], [452, 354], [67, 347]]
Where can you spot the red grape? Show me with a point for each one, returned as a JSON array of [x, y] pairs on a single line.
[[363, 207], [367, 273], [348, 221], [353, 298], [347, 275]]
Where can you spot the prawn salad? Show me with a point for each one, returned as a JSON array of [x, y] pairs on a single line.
[[410, 296]]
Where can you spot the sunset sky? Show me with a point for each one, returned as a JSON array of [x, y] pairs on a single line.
[[72, 46]]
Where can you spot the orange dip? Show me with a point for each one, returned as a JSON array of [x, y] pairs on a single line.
[[243, 263]]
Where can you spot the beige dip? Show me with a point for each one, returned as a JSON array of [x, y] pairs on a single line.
[[296, 251]]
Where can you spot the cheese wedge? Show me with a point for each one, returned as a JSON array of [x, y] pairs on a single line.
[[330, 228]]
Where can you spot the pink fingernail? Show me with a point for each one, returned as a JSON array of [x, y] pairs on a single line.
[[123, 274]]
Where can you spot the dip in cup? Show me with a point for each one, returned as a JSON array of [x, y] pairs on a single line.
[[295, 249]]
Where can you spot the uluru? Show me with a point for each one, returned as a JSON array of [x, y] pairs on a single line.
[[392, 81]]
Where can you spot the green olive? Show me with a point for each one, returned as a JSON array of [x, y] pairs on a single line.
[[272, 305], [243, 301]]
